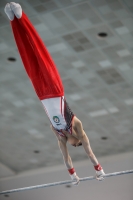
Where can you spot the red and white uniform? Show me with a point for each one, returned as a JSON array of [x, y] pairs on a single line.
[[43, 73]]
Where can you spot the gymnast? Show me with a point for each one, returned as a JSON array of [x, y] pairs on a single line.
[[47, 83]]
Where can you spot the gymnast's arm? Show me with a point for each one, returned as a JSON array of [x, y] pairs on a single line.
[[67, 159], [63, 148]]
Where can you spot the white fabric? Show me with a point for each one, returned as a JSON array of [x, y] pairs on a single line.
[[54, 108], [99, 175], [9, 12], [16, 8], [75, 179]]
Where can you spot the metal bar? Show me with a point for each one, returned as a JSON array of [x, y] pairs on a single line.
[[63, 182]]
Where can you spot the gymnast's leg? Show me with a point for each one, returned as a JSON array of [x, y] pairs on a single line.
[[36, 59]]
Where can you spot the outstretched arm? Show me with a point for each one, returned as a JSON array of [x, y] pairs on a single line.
[[81, 135], [65, 154], [67, 159]]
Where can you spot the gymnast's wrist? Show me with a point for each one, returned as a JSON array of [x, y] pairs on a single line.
[[98, 167], [71, 171], [73, 174]]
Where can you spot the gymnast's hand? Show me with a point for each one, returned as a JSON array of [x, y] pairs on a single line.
[[99, 175], [75, 179]]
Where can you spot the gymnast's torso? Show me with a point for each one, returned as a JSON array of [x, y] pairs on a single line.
[[59, 114]]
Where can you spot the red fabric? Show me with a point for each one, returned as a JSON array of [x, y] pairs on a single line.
[[36, 59], [98, 167], [71, 171]]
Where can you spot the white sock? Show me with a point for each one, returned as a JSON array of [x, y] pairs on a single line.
[[9, 12], [16, 8]]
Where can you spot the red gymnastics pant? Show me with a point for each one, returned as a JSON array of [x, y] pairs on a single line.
[[36, 59]]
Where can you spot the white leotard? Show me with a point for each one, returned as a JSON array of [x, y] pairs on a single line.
[[59, 113]]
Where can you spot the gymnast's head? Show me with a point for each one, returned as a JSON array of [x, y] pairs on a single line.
[[74, 141]]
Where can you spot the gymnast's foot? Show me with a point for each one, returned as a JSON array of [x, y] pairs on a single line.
[[9, 12], [16, 8]]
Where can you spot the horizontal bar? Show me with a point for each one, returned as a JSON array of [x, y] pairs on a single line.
[[63, 182]]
